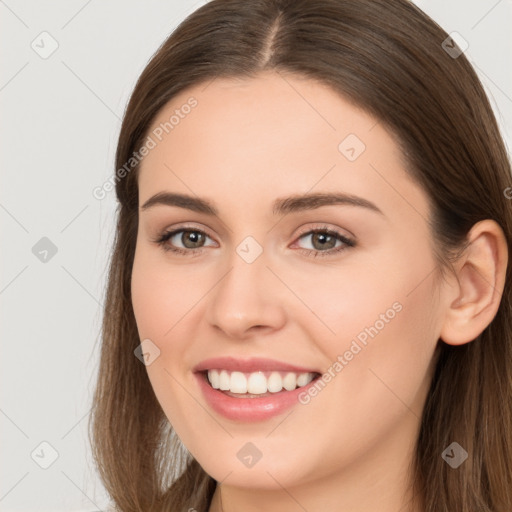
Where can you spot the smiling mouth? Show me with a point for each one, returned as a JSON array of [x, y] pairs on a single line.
[[257, 384]]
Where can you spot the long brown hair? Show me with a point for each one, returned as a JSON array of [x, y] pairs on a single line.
[[388, 58]]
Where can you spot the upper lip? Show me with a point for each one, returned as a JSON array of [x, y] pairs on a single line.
[[249, 365]]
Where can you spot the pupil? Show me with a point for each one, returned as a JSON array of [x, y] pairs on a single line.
[[193, 235], [322, 238]]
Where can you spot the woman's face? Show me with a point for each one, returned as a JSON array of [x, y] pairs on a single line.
[[357, 304]]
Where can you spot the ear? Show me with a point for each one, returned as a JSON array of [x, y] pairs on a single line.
[[480, 279]]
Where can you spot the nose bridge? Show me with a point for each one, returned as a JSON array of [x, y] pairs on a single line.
[[247, 295]]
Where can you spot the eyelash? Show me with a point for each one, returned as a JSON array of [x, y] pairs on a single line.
[[348, 243]]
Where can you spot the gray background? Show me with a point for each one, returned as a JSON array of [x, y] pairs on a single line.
[[60, 121]]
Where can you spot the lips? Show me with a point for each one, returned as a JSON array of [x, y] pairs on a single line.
[[250, 365], [248, 406]]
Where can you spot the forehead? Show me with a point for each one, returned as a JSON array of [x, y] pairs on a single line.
[[269, 136], [230, 110]]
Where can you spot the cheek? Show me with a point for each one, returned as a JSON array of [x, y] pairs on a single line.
[[386, 337], [151, 299], [159, 303], [162, 295], [377, 324], [166, 304]]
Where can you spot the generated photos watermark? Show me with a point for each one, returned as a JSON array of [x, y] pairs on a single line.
[[357, 345], [151, 142]]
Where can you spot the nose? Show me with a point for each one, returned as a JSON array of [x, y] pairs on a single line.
[[249, 299]]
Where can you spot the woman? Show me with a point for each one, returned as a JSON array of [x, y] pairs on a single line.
[[309, 301]]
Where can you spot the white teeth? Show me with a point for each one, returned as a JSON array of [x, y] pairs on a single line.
[[290, 382], [223, 380], [303, 379], [257, 383], [214, 379], [275, 382], [238, 383]]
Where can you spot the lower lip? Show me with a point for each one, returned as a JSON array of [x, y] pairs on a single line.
[[249, 409]]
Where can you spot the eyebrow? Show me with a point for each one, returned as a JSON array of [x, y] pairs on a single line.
[[281, 206]]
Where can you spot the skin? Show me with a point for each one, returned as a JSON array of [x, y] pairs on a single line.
[[247, 143]]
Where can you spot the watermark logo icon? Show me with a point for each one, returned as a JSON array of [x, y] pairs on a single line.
[[45, 45], [249, 249], [44, 455], [455, 45], [44, 250], [147, 352], [351, 147], [249, 455], [454, 455]]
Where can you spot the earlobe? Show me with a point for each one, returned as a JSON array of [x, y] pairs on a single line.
[[480, 278]]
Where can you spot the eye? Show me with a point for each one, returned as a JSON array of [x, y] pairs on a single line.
[[323, 241], [191, 239]]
